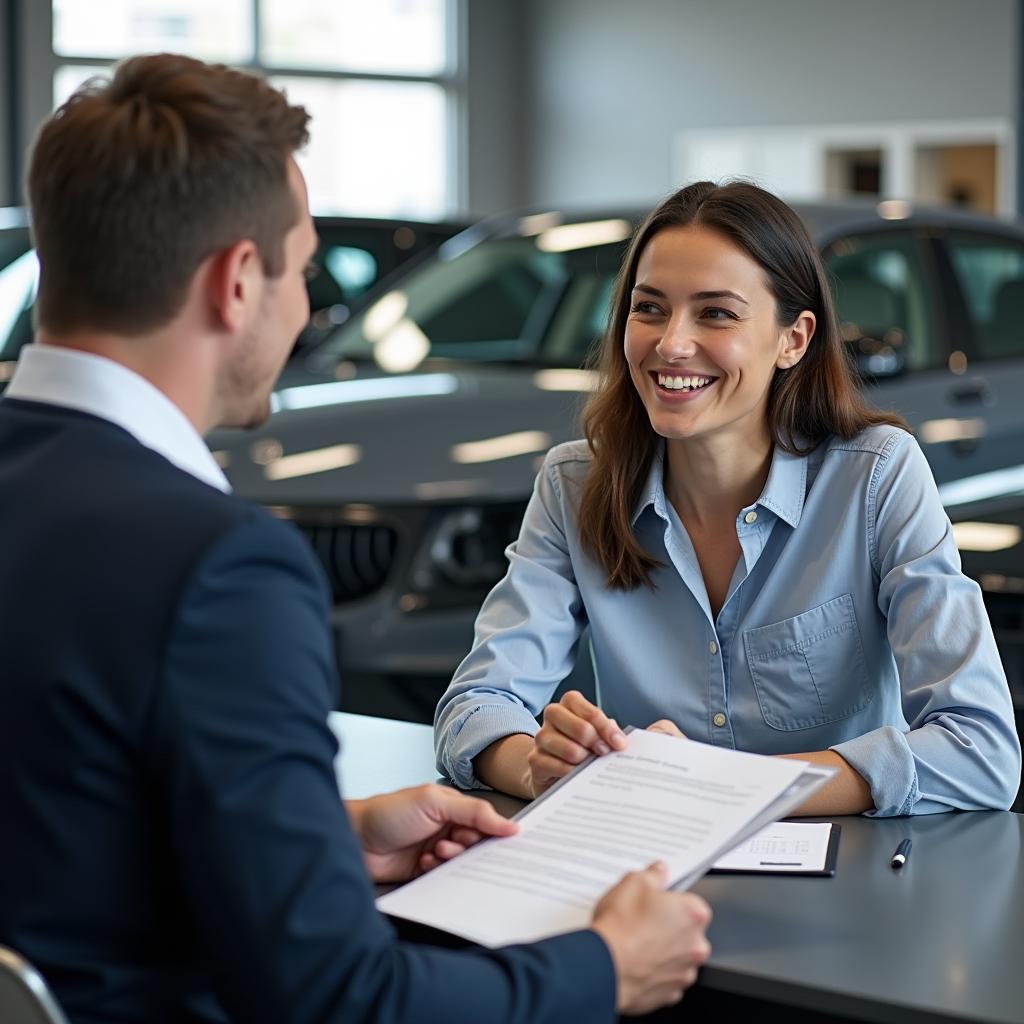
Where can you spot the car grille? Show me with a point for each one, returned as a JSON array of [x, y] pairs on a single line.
[[356, 557]]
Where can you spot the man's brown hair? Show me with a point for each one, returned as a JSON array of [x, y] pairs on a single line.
[[134, 181]]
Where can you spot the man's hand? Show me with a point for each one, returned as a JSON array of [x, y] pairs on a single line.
[[656, 939], [573, 729], [411, 831]]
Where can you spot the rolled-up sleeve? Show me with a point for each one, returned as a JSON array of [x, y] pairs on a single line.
[[961, 749], [525, 641]]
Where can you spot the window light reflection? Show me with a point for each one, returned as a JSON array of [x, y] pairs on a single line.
[[402, 348], [535, 223], [310, 396], [986, 536], [566, 380], [581, 236], [894, 209], [998, 483], [382, 316], [507, 446], [947, 430], [319, 460]]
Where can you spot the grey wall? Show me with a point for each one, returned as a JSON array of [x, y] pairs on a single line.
[[495, 161], [578, 101], [33, 76], [6, 85], [612, 82]]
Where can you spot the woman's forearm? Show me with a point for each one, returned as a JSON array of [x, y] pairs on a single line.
[[847, 792], [503, 765]]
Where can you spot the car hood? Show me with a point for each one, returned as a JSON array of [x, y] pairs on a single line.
[[441, 434], [990, 536]]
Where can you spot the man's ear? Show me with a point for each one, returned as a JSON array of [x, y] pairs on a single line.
[[796, 339], [233, 284]]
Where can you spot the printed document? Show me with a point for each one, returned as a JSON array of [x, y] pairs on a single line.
[[679, 801], [786, 847]]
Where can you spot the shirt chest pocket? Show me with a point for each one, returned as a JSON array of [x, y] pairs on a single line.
[[809, 670]]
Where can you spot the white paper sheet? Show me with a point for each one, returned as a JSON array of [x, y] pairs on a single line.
[[680, 801], [784, 846]]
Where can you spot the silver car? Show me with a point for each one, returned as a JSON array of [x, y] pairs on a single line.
[[406, 445], [354, 253]]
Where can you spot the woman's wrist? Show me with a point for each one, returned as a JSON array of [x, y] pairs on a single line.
[[503, 765]]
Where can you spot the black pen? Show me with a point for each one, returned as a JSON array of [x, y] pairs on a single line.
[[899, 858]]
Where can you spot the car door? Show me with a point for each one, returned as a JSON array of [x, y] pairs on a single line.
[[890, 295], [988, 269]]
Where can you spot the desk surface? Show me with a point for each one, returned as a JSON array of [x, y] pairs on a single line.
[[941, 940]]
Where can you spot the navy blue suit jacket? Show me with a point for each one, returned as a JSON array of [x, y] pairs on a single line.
[[173, 846]]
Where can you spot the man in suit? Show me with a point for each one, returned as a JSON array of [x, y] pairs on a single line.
[[174, 848]]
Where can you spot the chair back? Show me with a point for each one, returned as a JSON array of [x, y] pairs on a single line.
[[24, 996]]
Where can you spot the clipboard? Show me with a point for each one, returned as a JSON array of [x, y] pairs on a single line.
[[767, 866]]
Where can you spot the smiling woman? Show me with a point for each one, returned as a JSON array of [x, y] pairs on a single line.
[[709, 238], [761, 556]]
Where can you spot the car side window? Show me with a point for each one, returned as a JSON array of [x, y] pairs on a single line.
[[492, 309], [350, 270], [19, 276], [582, 318], [991, 274], [882, 301]]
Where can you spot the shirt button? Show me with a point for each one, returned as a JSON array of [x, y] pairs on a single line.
[[713, 647], [719, 719], [750, 517]]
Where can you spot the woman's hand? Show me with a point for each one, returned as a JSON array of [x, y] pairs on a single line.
[[667, 727], [573, 729]]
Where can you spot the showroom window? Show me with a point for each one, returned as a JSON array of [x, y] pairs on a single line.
[[379, 79]]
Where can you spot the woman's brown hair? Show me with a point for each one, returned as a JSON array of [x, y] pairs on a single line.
[[814, 399]]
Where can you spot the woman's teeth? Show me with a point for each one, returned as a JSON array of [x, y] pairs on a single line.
[[683, 383]]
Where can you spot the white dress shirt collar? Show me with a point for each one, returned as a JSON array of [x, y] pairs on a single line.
[[107, 389]]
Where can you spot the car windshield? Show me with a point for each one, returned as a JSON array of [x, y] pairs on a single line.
[[501, 300]]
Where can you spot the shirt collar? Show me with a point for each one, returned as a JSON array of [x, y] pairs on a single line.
[[786, 485], [783, 491], [653, 490], [102, 387]]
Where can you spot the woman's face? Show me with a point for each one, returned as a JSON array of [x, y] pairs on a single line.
[[702, 341]]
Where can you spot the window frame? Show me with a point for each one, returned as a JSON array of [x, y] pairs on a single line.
[[34, 27]]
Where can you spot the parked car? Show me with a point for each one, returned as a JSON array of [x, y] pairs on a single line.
[[354, 254], [406, 445]]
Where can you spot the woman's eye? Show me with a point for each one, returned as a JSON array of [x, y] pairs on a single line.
[[645, 307], [717, 313]]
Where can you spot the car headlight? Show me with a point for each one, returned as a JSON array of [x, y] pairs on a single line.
[[462, 555]]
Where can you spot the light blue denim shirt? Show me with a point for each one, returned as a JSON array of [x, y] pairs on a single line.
[[848, 625]]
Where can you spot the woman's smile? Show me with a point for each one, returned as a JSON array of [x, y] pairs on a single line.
[[681, 387]]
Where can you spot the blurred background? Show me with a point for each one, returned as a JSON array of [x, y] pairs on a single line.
[[434, 109], [476, 169]]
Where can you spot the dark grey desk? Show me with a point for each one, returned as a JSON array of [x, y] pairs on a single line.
[[941, 940]]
